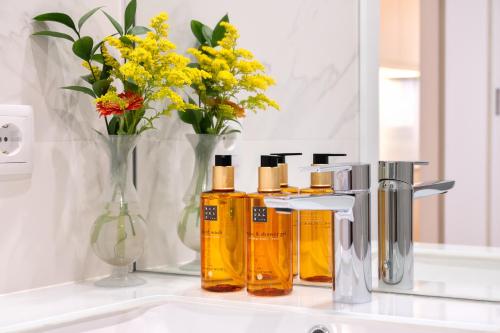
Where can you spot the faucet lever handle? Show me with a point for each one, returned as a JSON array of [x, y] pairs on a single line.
[[327, 168], [420, 162], [423, 190], [331, 201]]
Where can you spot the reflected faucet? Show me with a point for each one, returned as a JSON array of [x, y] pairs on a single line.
[[395, 221], [350, 202]]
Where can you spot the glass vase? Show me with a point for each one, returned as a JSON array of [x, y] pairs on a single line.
[[188, 227], [117, 236]]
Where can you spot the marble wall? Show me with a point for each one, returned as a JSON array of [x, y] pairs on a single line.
[[312, 51], [45, 220], [311, 48]]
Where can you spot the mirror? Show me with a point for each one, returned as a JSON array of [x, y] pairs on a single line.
[[437, 90]]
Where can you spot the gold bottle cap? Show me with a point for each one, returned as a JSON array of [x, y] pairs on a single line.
[[223, 178], [283, 174], [223, 173], [321, 179], [269, 179]]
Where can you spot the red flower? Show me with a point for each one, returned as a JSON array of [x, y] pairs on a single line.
[[108, 108], [133, 101]]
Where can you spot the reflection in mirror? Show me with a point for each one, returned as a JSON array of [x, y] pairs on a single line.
[[436, 85], [317, 88], [437, 80]]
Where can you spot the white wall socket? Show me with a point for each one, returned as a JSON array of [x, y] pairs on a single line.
[[16, 140]]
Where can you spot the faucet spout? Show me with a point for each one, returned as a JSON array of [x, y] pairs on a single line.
[[423, 190], [336, 202]]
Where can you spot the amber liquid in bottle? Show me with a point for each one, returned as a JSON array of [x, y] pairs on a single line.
[[269, 238], [295, 231], [316, 241], [223, 213]]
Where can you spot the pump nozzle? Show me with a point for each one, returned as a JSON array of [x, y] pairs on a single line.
[[323, 158], [282, 156]]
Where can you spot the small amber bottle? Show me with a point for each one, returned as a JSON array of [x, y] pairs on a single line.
[[223, 231], [286, 189], [269, 237], [316, 233]]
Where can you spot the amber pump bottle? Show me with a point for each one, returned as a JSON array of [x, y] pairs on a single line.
[[286, 189], [269, 237], [316, 263], [223, 231]]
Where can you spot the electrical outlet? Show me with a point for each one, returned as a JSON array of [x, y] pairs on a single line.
[[16, 140]]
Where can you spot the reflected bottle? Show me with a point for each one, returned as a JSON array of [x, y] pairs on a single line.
[[269, 237], [222, 216], [316, 233], [286, 189]]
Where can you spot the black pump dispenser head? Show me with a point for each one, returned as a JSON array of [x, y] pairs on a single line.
[[223, 160], [282, 156], [323, 158], [269, 161]]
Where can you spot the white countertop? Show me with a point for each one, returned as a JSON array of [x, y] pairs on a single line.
[[62, 304]]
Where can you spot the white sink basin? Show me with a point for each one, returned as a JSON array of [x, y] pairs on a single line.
[[177, 304], [177, 315]]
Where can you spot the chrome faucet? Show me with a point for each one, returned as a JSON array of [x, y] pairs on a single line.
[[396, 192], [350, 202]]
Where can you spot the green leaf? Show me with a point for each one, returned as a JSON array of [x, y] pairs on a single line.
[[113, 125], [138, 30], [117, 25], [196, 27], [83, 47], [100, 87], [85, 17], [106, 72], [219, 30], [54, 34], [84, 90], [57, 17], [207, 34], [98, 58], [130, 14], [97, 46], [126, 40], [193, 65], [130, 86], [187, 116], [89, 78]]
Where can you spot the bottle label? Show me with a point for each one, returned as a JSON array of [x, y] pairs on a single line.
[[260, 214], [210, 213]]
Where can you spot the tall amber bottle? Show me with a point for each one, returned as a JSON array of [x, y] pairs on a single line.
[[223, 231], [286, 189], [269, 237], [316, 253]]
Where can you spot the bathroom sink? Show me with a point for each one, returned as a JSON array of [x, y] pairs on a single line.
[[188, 316], [169, 303]]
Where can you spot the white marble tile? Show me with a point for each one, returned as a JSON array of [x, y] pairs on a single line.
[[312, 51], [46, 220]]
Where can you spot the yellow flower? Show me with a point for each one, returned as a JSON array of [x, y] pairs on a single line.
[[94, 70], [151, 63], [227, 79], [230, 37], [111, 97], [108, 58]]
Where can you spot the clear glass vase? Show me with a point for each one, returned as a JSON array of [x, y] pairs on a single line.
[[117, 236], [188, 227]]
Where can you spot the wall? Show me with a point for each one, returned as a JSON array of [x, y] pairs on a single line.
[[312, 50], [46, 219], [400, 33], [466, 120]]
